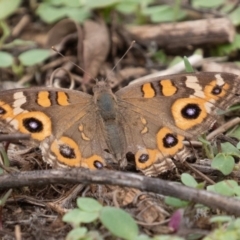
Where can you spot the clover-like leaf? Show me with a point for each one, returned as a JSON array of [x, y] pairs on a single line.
[[119, 223], [224, 163], [89, 204]]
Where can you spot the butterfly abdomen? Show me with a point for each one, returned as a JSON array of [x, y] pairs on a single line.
[[114, 133]]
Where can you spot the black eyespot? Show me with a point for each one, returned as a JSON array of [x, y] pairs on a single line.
[[216, 90], [130, 157], [33, 125], [191, 111], [143, 158], [98, 164], [2, 111], [67, 151], [170, 141]]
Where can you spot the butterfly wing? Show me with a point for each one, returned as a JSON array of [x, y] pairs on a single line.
[[159, 114], [63, 122]]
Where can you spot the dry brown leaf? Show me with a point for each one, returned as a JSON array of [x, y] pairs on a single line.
[[60, 31], [96, 45]]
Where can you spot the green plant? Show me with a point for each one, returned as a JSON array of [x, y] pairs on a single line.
[[7, 8], [117, 221], [231, 231]]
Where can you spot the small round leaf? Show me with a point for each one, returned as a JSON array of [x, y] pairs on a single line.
[[76, 216], [33, 57], [6, 59], [175, 202], [119, 223], [220, 219], [8, 7], [77, 233], [50, 14], [226, 187], [224, 163], [89, 204], [188, 180]]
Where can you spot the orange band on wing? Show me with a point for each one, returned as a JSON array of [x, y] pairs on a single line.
[[148, 90], [43, 99], [62, 99], [168, 89]]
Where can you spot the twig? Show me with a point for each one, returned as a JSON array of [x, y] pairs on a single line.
[[77, 175]]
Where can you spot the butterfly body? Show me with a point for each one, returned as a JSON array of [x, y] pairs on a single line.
[[107, 108], [145, 121]]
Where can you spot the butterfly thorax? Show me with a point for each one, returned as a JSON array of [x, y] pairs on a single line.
[[106, 103]]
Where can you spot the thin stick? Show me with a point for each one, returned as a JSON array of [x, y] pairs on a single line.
[[230, 205]]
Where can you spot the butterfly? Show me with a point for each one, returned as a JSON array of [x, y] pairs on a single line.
[[146, 121]]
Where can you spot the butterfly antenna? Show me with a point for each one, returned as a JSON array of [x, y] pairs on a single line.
[[131, 45], [55, 50]]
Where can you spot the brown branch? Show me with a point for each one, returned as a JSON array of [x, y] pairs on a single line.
[[76, 175], [185, 34]]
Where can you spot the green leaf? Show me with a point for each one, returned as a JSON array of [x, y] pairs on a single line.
[[188, 66], [55, 2], [76, 216], [143, 237], [228, 148], [5, 197], [72, 3], [204, 140], [100, 4], [6, 59], [19, 42], [50, 14], [175, 202], [175, 61], [168, 237], [226, 49], [220, 219], [163, 13], [211, 188], [226, 187], [237, 190], [89, 204], [93, 235], [33, 57], [78, 14], [235, 16], [188, 180], [207, 3], [160, 56], [5, 31], [76, 233], [8, 7], [119, 223], [235, 132], [224, 163], [4, 155], [127, 7]]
